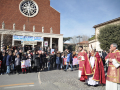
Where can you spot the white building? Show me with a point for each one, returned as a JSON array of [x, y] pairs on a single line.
[[95, 43]]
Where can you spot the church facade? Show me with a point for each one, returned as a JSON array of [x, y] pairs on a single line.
[[30, 22]]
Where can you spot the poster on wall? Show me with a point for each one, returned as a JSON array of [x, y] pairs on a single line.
[[46, 43]]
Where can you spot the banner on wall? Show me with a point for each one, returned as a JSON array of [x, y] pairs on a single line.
[[27, 38]]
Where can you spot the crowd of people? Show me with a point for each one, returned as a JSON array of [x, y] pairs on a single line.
[[91, 64], [10, 60]]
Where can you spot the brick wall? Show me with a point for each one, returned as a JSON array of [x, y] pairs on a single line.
[[47, 16]]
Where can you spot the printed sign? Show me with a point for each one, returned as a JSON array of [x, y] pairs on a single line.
[[26, 63], [75, 61], [65, 61], [52, 51], [23, 64], [46, 43]]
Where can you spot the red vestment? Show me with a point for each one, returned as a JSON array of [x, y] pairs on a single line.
[[97, 71], [113, 73], [81, 62]]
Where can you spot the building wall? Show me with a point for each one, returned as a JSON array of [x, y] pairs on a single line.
[[93, 43], [97, 30], [85, 46], [47, 16]]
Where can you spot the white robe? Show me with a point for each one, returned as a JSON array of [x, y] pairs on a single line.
[[79, 71], [112, 85], [90, 80]]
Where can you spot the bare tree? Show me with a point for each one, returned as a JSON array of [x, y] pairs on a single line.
[[85, 38], [74, 40], [81, 38]]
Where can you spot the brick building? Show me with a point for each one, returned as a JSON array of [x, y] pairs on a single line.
[[34, 18]]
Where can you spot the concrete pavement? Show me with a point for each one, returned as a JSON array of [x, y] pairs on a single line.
[[45, 80]]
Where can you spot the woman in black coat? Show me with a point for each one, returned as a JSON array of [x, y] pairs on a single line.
[[36, 63]]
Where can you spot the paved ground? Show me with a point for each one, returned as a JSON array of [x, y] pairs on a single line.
[[61, 80], [45, 80]]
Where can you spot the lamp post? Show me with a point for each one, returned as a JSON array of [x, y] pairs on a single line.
[[79, 38]]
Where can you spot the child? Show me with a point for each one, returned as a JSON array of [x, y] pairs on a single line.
[[24, 57]]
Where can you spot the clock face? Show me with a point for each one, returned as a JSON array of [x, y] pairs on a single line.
[[28, 8]]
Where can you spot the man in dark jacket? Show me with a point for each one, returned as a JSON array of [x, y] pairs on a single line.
[[8, 62], [104, 54], [3, 63]]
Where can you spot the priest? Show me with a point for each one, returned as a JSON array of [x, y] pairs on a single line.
[[113, 73], [93, 70], [82, 55]]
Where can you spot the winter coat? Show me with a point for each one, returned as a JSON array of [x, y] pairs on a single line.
[[37, 61], [48, 58], [17, 61], [57, 60], [13, 59], [8, 60], [4, 60], [34, 56], [69, 58], [24, 58], [1, 58], [52, 59]]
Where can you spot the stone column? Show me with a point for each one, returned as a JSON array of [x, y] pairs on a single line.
[[33, 44], [12, 41], [51, 42], [23, 43], [60, 43], [42, 42], [1, 41]]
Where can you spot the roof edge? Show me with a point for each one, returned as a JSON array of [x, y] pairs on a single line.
[[106, 22]]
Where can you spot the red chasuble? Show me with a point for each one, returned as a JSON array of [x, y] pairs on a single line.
[[97, 71], [81, 62], [113, 73]]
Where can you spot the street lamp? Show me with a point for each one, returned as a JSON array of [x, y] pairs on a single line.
[[79, 38]]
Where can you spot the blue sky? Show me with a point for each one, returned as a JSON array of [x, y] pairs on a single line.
[[79, 16]]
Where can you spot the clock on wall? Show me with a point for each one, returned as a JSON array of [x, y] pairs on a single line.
[[28, 8]]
